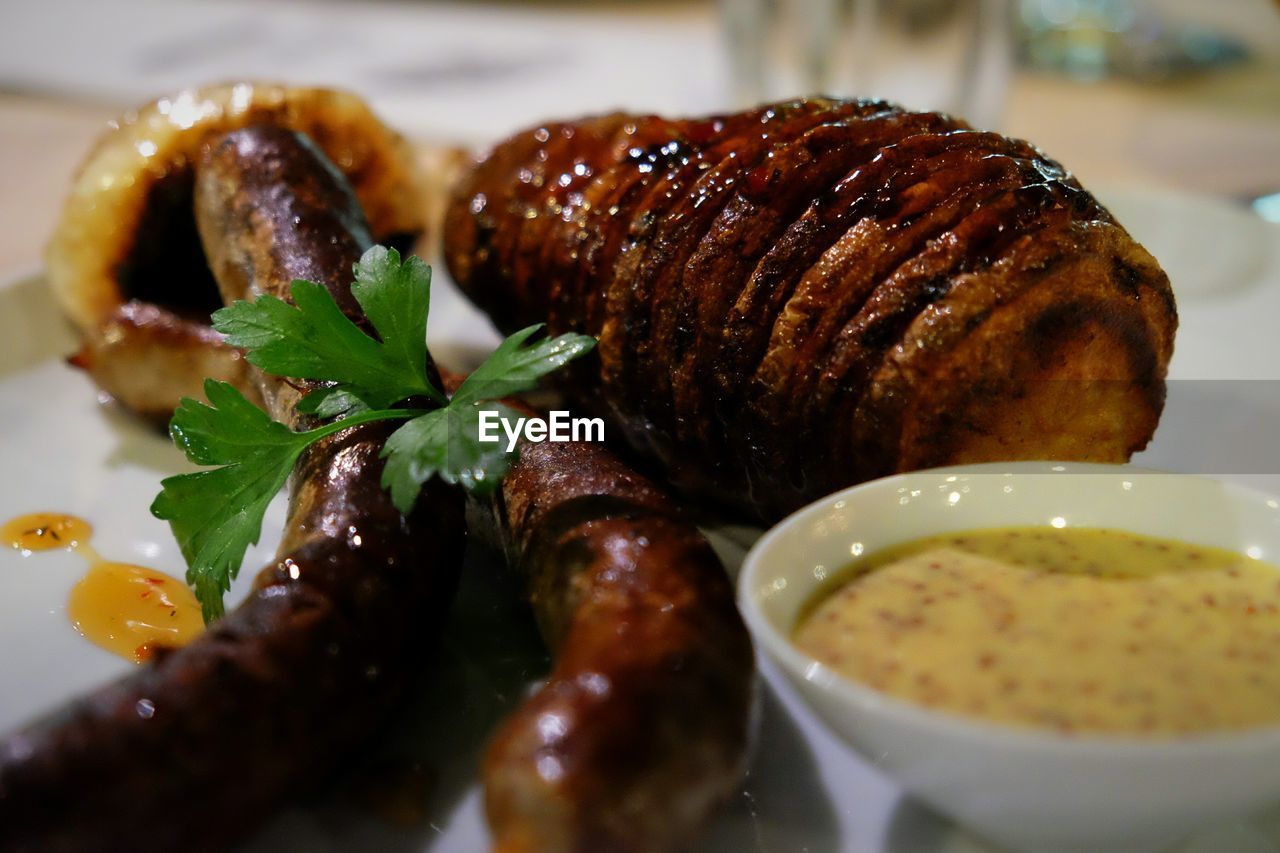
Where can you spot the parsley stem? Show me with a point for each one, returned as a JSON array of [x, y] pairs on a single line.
[[359, 419]]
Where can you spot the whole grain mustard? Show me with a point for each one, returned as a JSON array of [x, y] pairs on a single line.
[[1072, 629]]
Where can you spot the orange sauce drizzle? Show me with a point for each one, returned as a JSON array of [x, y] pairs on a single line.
[[127, 610], [130, 610], [44, 531]]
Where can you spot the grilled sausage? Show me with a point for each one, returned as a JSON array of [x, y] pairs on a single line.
[[778, 293], [199, 745], [126, 264], [641, 729]]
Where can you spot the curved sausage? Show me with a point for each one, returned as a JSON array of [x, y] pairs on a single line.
[[642, 727], [198, 746]]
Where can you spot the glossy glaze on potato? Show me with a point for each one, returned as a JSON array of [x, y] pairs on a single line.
[[810, 294]]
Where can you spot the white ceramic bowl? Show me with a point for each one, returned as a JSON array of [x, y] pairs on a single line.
[[1023, 788]]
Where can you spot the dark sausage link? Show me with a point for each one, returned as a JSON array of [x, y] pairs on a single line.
[[197, 747], [642, 728]]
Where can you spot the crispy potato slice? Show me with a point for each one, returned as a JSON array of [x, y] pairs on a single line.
[[1057, 352]]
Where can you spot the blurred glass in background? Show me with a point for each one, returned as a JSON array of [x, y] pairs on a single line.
[[1093, 39], [951, 55]]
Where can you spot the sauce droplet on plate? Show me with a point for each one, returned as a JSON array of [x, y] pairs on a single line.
[[44, 531], [128, 610]]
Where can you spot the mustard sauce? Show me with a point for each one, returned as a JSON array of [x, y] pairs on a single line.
[[128, 610], [1072, 629]]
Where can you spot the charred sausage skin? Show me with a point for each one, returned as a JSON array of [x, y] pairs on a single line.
[[778, 293], [198, 746], [642, 727]]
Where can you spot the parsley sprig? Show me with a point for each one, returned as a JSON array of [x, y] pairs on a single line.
[[216, 514]]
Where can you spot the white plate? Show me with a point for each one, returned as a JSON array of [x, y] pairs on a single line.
[[61, 450]]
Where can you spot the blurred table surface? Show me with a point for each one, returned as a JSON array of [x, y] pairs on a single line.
[[1218, 133]]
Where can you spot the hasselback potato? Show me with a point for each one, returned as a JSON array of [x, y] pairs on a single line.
[[814, 293]]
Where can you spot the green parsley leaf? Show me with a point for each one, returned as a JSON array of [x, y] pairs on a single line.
[[226, 430], [313, 339], [514, 368], [396, 297], [445, 443], [217, 514]]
